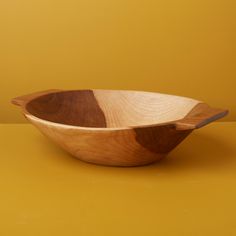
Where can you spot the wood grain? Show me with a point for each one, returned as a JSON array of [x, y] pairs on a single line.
[[133, 108], [79, 108], [117, 128], [199, 116], [160, 139]]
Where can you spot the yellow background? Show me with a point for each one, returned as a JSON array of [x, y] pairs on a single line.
[[46, 192], [172, 46]]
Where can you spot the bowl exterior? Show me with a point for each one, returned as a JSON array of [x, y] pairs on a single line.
[[125, 147]]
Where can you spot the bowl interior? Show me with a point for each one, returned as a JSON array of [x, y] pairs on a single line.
[[109, 108]]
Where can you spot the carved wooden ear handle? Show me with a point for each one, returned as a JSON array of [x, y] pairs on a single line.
[[200, 116], [21, 100]]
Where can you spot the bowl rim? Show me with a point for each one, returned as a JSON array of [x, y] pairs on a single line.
[[62, 125], [177, 123]]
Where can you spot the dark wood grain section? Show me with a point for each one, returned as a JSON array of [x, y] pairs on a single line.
[[160, 139], [79, 108]]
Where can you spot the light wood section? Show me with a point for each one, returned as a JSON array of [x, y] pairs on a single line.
[[134, 108], [106, 147]]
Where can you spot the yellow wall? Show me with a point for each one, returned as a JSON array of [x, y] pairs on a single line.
[[172, 46]]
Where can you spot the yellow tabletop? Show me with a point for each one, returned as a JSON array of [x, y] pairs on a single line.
[[44, 191]]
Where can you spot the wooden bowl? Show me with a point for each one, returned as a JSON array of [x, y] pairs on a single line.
[[115, 127]]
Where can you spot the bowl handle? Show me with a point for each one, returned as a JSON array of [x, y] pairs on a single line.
[[21, 100], [199, 116]]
